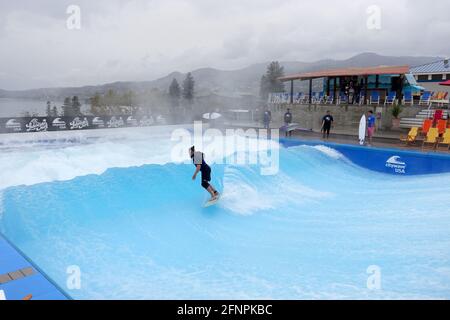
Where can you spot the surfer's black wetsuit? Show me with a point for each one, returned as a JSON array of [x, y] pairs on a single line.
[[205, 170]]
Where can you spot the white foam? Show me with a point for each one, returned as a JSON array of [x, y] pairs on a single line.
[[28, 159], [332, 153], [242, 197]]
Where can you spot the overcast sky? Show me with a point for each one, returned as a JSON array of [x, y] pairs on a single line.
[[146, 39]]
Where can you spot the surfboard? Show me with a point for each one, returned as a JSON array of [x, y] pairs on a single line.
[[362, 130], [211, 202]]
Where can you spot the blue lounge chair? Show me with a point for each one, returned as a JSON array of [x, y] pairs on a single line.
[[374, 98], [297, 97], [343, 99], [305, 99], [408, 98], [361, 99], [391, 98], [318, 97], [329, 99], [425, 99]]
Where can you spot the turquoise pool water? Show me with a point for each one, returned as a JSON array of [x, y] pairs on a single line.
[[309, 232]]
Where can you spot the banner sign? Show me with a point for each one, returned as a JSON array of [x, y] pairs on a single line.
[[43, 124]]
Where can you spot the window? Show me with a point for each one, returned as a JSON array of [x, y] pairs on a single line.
[[437, 77], [422, 78]]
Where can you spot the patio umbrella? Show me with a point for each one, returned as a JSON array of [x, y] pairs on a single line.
[[211, 116], [445, 83]]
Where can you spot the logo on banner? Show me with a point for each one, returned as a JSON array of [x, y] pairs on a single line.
[[396, 163], [115, 123], [98, 122], [37, 126], [146, 121], [132, 121], [14, 125], [77, 123], [58, 123]]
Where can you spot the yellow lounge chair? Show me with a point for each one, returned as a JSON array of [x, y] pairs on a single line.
[[411, 137], [445, 143], [431, 139]]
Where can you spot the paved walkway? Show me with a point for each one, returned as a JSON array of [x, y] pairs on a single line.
[[382, 139]]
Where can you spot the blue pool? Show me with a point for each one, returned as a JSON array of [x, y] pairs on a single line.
[[309, 232]]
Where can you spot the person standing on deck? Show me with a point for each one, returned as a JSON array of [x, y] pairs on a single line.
[[287, 122], [267, 119], [371, 126], [327, 123]]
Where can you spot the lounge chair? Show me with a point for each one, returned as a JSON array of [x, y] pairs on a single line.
[[441, 126], [438, 115], [320, 98], [411, 138], [298, 98], [305, 99], [316, 98], [408, 98], [391, 99], [343, 99], [445, 142], [361, 99], [330, 99], [431, 139], [425, 99], [374, 98], [427, 124]]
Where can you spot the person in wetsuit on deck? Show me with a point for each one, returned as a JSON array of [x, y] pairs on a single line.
[[198, 158], [327, 123]]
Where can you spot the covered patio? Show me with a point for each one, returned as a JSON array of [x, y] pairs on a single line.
[[365, 80]]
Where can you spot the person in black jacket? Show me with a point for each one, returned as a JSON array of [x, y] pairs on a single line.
[[327, 123]]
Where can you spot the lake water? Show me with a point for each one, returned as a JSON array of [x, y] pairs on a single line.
[[17, 107]]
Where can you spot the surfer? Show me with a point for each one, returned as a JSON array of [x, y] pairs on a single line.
[[327, 122], [198, 158], [371, 126]]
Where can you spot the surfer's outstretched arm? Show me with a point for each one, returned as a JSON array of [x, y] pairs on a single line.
[[197, 170]]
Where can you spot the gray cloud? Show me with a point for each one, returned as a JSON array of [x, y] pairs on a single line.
[[142, 40]]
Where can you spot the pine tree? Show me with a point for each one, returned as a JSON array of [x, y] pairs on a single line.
[[270, 81], [76, 106], [96, 105], [175, 93], [54, 111], [188, 88], [49, 109], [67, 107]]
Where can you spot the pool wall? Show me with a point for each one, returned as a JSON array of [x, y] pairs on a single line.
[[389, 161]]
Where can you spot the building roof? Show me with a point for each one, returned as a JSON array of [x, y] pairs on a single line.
[[435, 67], [348, 72]]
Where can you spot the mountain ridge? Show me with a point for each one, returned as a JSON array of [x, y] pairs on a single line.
[[222, 82]]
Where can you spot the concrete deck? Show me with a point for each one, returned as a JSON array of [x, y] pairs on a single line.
[[349, 135]]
